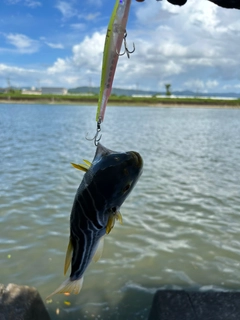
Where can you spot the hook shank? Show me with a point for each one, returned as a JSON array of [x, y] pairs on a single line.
[[96, 138], [126, 50]]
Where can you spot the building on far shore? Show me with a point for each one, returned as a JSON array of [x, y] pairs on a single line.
[[45, 90], [32, 91], [194, 97], [58, 91], [141, 96]]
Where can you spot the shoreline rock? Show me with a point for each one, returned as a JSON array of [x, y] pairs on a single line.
[[21, 303], [195, 305]]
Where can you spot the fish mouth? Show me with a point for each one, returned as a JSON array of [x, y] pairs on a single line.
[[138, 159], [102, 152]]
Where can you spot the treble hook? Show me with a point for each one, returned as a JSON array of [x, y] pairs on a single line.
[[126, 50], [95, 138]]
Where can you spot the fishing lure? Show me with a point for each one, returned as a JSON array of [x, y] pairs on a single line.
[[116, 33]]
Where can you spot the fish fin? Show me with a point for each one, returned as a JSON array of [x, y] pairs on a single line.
[[88, 163], [68, 286], [99, 251], [68, 257], [82, 167], [119, 217], [111, 221], [110, 224]]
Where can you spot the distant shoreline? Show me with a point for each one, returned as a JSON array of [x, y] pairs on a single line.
[[123, 101]]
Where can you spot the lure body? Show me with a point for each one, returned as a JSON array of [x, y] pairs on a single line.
[[113, 42], [105, 186]]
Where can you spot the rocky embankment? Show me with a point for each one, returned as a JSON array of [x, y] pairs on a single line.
[[21, 303]]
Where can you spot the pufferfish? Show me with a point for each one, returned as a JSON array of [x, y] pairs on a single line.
[[106, 184]]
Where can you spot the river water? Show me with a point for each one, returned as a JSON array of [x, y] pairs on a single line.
[[181, 223]]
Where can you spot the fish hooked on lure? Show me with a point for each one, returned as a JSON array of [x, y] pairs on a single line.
[[104, 187]]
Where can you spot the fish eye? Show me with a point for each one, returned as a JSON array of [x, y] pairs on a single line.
[[126, 187]]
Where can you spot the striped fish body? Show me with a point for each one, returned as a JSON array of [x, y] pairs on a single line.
[[104, 187], [102, 191]]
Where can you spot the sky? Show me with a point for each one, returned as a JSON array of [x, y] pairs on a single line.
[[60, 44]]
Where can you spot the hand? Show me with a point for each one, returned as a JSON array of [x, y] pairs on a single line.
[[230, 4]]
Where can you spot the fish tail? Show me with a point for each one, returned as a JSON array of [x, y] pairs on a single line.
[[68, 286]]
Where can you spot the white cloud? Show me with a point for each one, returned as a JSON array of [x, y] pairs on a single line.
[[60, 66], [22, 43], [235, 87], [85, 62], [10, 69], [32, 3], [78, 26], [210, 84], [13, 1], [89, 52], [195, 85], [97, 3], [55, 45], [27, 3], [86, 55], [19, 76], [90, 16], [66, 9]]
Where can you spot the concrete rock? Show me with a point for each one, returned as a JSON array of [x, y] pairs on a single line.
[[190, 305], [21, 303]]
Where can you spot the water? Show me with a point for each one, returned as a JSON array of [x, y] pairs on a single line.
[[181, 222]]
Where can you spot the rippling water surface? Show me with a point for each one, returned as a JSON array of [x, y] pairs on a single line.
[[181, 222]]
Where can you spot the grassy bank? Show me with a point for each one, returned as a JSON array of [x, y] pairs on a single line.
[[118, 100]]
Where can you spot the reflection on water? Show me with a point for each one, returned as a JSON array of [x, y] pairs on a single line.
[[181, 222]]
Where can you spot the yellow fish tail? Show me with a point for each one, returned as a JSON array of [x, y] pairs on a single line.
[[68, 286]]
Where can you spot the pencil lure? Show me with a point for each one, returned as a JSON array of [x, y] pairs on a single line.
[[116, 32]]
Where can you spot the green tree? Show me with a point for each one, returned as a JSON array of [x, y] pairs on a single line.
[[168, 89]]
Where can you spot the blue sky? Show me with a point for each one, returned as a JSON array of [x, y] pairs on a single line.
[[60, 43]]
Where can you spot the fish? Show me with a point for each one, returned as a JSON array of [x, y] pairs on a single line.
[[114, 37], [107, 182]]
